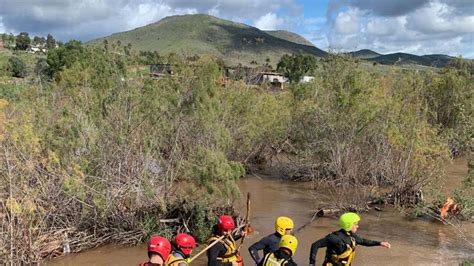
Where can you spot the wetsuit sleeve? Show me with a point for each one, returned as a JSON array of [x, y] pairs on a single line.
[[321, 243], [253, 249], [213, 253], [365, 242]]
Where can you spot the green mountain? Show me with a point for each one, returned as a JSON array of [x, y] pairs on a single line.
[[435, 60], [204, 34], [364, 54], [289, 36]]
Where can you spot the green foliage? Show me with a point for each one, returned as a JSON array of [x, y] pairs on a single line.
[[17, 67], [464, 195], [39, 41], [23, 41], [295, 66], [65, 56], [355, 127], [450, 102], [50, 42], [213, 171], [151, 57], [42, 70]]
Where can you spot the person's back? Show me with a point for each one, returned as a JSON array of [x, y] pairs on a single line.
[[277, 258], [269, 244], [283, 256], [176, 259]]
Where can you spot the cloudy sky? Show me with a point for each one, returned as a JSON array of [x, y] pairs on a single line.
[[412, 26]]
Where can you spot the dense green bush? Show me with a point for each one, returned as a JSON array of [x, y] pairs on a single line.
[[17, 67]]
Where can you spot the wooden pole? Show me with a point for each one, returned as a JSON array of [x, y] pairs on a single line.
[[247, 219], [211, 245]]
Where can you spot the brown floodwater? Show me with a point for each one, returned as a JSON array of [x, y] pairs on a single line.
[[414, 242]]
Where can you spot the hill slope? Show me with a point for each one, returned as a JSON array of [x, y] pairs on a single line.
[[405, 59], [364, 54], [289, 36], [204, 34]]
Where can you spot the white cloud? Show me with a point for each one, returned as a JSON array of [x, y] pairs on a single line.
[[2, 27], [437, 26], [347, 22], [269, 21], [439, 18]]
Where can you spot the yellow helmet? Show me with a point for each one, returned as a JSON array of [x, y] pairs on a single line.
[[290, 242], [283, 223]]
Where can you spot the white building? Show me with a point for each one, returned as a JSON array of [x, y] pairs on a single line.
[[305, 79]]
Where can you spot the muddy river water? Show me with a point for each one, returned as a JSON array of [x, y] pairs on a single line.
[[414, 242]]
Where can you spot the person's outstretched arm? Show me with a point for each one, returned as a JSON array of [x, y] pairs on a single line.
[[370, 243]]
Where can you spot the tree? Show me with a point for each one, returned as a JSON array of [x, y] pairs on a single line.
[[17, 67], [50, 42], [63, 56], [42, 69], [39, 41], [23, 41], [295, 66], [4, 38]]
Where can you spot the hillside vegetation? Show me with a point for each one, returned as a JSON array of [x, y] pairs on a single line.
[[204, 34]]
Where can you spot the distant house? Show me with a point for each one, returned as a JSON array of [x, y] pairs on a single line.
[[272, 77], [256, 76], [305, 79], [1, 44], [36, 49], [161, 70]]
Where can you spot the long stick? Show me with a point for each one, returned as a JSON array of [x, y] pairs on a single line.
[[315, 215], [211, 245], [247, 219], [208, 247]]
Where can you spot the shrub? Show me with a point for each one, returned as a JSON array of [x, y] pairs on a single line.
[[17, 67]]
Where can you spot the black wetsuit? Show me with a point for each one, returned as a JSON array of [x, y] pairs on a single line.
[[268, 244], [218, 250], [336, 243], [281, 255]]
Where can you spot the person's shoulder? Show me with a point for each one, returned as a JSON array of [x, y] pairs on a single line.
[[272, 237], [334, 236]]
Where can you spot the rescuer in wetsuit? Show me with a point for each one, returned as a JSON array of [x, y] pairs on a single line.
[[225, 252], [283, 256], [269, 244], [340, 245]]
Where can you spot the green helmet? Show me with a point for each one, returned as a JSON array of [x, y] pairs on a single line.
[[347, 220]]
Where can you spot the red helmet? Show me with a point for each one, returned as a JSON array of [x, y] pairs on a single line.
[[159, 245], [226, 222], [185, 242]]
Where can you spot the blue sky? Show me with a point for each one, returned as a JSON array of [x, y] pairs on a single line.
[[386, 26]]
